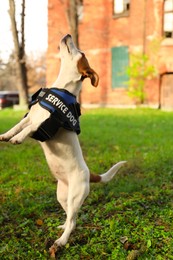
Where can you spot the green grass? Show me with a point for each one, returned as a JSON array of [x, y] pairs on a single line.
[[137, 204]]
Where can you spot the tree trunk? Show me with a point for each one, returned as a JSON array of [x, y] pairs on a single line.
[[73, 20], [72, 13], [19, 51]]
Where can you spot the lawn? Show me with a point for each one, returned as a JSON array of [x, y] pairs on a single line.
[[129, 218]]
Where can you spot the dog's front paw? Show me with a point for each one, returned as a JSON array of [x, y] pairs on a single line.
[[15, 141], [4, 138]]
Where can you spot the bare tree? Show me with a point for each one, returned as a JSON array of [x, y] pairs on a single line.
[[73, 18], [19, 51]]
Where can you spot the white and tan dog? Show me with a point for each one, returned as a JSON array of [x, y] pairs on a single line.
[[63, 152]]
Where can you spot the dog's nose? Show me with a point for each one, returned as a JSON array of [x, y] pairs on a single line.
[[67, 36]]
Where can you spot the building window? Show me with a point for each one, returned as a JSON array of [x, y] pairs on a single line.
[[168, 19], [120, 62], [121, 8]]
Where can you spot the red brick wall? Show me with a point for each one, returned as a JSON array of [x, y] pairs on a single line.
[[98, 33]]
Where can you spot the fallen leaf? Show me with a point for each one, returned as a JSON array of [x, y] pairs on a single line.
[[123, 239], [133, 255], [39, 222], [148, 243]]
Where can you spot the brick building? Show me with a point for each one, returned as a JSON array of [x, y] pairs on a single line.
[[109, 31]]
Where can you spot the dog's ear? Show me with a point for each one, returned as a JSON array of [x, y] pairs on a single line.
[[90, 73], [87, 72]]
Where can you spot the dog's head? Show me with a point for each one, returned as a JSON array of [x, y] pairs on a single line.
[[74, 64]]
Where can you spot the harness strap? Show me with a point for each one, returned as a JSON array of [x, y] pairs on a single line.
[[47, 129], [64, 112]]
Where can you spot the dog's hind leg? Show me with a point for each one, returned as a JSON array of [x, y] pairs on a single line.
[[62, 196], [77, 193]]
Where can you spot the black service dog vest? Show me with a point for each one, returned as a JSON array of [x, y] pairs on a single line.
[[64, 112]]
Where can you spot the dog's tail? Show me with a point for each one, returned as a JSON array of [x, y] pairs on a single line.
[[107, 176]]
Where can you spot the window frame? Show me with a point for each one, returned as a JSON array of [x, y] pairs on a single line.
[[119, 76], [126, 9], [167, 34]]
